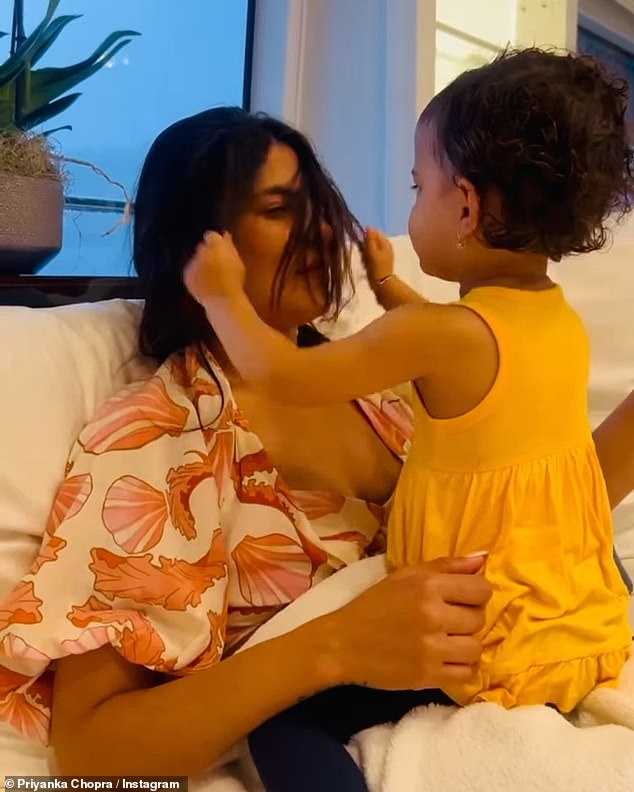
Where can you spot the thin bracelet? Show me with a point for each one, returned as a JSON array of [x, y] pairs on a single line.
[[382, 281]]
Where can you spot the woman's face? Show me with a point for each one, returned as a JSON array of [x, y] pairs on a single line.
[[260, 235]]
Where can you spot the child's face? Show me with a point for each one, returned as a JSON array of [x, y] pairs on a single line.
[[436, 221]]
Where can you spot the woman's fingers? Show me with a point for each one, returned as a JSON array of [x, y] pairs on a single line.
[[463, 620], [451, 675], [409, 628], [461, 650], [465, 589]]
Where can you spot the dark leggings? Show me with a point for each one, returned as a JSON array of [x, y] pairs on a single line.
[[303, 748]]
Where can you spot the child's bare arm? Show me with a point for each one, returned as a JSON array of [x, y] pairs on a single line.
[[414, 341]]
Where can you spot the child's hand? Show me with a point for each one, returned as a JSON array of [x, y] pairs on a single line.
[[215, 269], [377, 256]]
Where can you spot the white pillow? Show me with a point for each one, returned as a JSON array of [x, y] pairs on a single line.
[[58, 365]]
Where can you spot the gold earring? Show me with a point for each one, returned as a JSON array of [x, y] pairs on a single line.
[[460, 241]]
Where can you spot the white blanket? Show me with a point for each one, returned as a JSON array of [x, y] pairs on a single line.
[[482, 748]]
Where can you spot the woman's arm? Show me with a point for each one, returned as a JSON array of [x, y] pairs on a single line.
[[111, 718], [614, 439]]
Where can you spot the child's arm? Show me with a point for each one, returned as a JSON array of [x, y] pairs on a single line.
[[410, 342], [378, 259]]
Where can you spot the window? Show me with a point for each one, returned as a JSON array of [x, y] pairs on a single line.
[[191, 55], [618, 60], [470, 35]]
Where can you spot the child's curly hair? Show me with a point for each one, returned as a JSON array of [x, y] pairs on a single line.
[[544, 137]]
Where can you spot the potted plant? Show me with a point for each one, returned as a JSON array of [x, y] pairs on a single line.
[[31, 172]]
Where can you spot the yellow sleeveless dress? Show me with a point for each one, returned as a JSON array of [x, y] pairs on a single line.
[[518, 476]]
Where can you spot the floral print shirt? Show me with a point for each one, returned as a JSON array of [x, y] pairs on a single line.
[[173, 537]]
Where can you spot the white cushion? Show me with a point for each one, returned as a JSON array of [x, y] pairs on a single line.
[[58, 365]]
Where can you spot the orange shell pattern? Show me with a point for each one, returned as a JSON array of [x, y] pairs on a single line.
[[173, 538]]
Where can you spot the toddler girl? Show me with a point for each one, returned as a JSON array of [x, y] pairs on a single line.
[[516, 163]]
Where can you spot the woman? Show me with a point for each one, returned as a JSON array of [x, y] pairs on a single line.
[[193, 509]]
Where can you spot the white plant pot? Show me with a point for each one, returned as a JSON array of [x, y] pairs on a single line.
[[30, 222]]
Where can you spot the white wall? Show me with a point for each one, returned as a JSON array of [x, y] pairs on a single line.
[[350, 74], [343, 96], [547, 23]]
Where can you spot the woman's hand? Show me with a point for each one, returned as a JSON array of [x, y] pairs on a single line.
[[215, 269], [415, 629], [378, 257]]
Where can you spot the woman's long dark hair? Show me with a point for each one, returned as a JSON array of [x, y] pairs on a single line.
[[198, 176]]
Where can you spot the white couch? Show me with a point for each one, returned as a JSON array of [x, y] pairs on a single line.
[[59, 364]]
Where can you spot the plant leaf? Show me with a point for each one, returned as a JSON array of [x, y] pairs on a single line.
[[48, 132], [50, 35], [44, 112], [17, 62], [7, 106], [6, 114], [45, 85], [42, 91], [52, 8]]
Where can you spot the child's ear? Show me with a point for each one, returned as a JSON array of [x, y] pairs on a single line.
[[470, 209]]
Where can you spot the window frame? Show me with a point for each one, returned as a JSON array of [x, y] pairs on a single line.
[[608, 34]]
